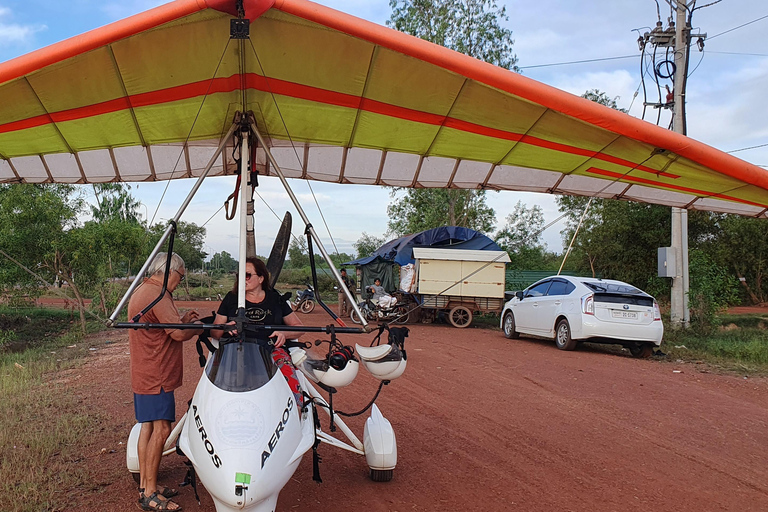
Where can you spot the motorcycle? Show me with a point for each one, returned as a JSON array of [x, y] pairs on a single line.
[[305, 300], [397, 314]]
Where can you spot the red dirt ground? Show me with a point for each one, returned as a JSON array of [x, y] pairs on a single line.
[[486, 423]]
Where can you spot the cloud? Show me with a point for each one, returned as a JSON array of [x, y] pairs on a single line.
[[13, 33]]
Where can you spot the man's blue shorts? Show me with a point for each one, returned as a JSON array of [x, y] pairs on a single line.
[[155, 407]]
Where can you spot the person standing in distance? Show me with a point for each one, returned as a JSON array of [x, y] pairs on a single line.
[[344, 304], [156, 371]]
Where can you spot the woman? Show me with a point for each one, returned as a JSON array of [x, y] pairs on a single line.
[[263, 305]]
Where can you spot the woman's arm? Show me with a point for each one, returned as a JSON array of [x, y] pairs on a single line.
[[292, 319], [218, 333]]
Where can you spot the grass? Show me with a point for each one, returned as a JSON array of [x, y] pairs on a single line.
[[42, 423], [739, 344]]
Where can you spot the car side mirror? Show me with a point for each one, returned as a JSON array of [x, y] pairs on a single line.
[[519, 295]]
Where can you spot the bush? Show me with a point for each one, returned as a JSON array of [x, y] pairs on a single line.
[[712, 289]]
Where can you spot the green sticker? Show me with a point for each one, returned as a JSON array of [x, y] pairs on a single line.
[[242, 478]]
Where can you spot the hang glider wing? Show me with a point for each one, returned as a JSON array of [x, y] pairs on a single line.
[[341, 100]]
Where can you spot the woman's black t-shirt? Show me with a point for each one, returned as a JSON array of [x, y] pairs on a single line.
[[269, 311]]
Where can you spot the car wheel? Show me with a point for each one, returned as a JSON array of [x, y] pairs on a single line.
[[307, 306], [563, 338], [641, 350], [460, 317], [509, 326]]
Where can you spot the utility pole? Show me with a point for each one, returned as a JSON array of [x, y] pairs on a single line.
[[679, 312]]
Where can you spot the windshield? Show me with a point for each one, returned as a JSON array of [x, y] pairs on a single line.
[[613, 288], [240, 367]]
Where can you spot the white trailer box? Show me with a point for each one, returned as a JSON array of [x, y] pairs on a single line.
[[460, 272]]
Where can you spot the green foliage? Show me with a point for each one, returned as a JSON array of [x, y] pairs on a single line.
[[739, 344], [367, 244], [298, 256], [521, 238], [602, 98], [421, 209], [188, 242], [740, 244], [712, 289], [224, 262], [114, 202], [472, 27]]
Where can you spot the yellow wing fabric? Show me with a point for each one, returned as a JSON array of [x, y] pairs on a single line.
[[340, 99]]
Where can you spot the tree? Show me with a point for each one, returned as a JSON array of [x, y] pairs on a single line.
[[602, 98], [521, 238], [224, 262], [422, 209], [188, 242], [114, 202], [472, 27], [298, 256], [367, 244]]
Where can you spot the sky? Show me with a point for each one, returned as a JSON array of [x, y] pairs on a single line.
[[726, 105]]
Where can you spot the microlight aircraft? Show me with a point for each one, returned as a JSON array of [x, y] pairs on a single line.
[[292, 89]]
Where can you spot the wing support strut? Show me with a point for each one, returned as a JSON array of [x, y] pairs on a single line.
[[169, 229], [310, 230]]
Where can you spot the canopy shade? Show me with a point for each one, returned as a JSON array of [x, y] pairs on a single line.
[[340, 99]]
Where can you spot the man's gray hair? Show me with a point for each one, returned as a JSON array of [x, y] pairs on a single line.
[[158, 264]]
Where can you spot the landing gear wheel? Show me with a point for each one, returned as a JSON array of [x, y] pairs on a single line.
[[509, 326], [563, 338], [355, 317], [382, 475], [307, 306], [400, 315], [641, 350], [460, 317]]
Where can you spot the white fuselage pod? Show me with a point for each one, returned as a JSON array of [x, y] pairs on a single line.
[[244, 443]]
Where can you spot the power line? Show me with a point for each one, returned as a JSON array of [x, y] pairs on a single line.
[[740, 26], [579, 62], [750, 147], [739, 53]]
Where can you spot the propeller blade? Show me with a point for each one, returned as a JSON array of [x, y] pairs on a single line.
[[279, 249]]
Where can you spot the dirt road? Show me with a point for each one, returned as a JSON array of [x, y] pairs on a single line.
[[486, 423]]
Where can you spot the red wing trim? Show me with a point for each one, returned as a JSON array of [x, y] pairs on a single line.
[[315, 94], [670, 186]]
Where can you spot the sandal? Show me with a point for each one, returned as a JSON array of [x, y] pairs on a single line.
[[153, 502], [165, 492]]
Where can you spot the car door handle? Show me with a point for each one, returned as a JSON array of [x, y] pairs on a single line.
[[557, 303], [535, 304]]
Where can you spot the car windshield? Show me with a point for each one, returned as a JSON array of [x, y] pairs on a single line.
[[596, 286], [240, 367]]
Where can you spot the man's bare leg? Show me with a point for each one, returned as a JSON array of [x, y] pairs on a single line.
[[144, 436], [160, 430]]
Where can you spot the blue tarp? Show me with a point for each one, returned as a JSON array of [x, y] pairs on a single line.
[[400, 250]]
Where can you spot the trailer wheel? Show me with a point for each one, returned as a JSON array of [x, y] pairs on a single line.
[[460, 317], [382, 475]]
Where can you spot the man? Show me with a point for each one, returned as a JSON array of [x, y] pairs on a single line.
[[384, 299], [156, 371], [343, 301]]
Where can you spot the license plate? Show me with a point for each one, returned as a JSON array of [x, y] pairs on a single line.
[[632, 315]]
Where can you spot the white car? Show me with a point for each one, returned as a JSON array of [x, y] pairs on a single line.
[[573, 309]]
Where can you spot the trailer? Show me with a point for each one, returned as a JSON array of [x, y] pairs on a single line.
[[456, 282]]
